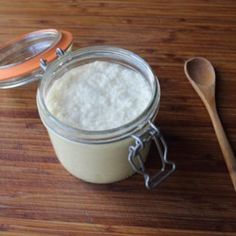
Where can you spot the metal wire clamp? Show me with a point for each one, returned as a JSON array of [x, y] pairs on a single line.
[[137, 162]]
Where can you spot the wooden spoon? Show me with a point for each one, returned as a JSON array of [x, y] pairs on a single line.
[[201, 75]]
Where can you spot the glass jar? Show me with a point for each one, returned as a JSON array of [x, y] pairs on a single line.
[[94, 156], [110, 155]]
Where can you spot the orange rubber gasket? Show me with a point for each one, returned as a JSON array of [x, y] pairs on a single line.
[[33, 64]]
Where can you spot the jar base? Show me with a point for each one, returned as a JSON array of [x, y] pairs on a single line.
[[101, 182]]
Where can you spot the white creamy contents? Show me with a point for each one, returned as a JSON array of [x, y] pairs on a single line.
[[98, 96]]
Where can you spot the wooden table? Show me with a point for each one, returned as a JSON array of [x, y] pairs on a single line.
[[37, 195]]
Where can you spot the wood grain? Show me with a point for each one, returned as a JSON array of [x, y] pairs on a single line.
[[38, 197]]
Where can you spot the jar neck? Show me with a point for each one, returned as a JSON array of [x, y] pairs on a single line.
[[86, 55]]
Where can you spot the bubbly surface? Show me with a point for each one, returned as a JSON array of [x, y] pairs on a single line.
[[98, 96]]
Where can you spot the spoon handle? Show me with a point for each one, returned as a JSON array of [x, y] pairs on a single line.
[[224, 144]]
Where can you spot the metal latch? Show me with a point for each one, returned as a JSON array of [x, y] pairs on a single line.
[[137, 162]]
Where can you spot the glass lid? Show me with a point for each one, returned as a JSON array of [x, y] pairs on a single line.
[[19, 59]]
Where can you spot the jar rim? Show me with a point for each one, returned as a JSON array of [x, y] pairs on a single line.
[[97, 136]]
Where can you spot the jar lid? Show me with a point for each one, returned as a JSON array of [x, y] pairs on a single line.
[[20, 58]]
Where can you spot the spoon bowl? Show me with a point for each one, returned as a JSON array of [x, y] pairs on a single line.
[[201, 71]]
